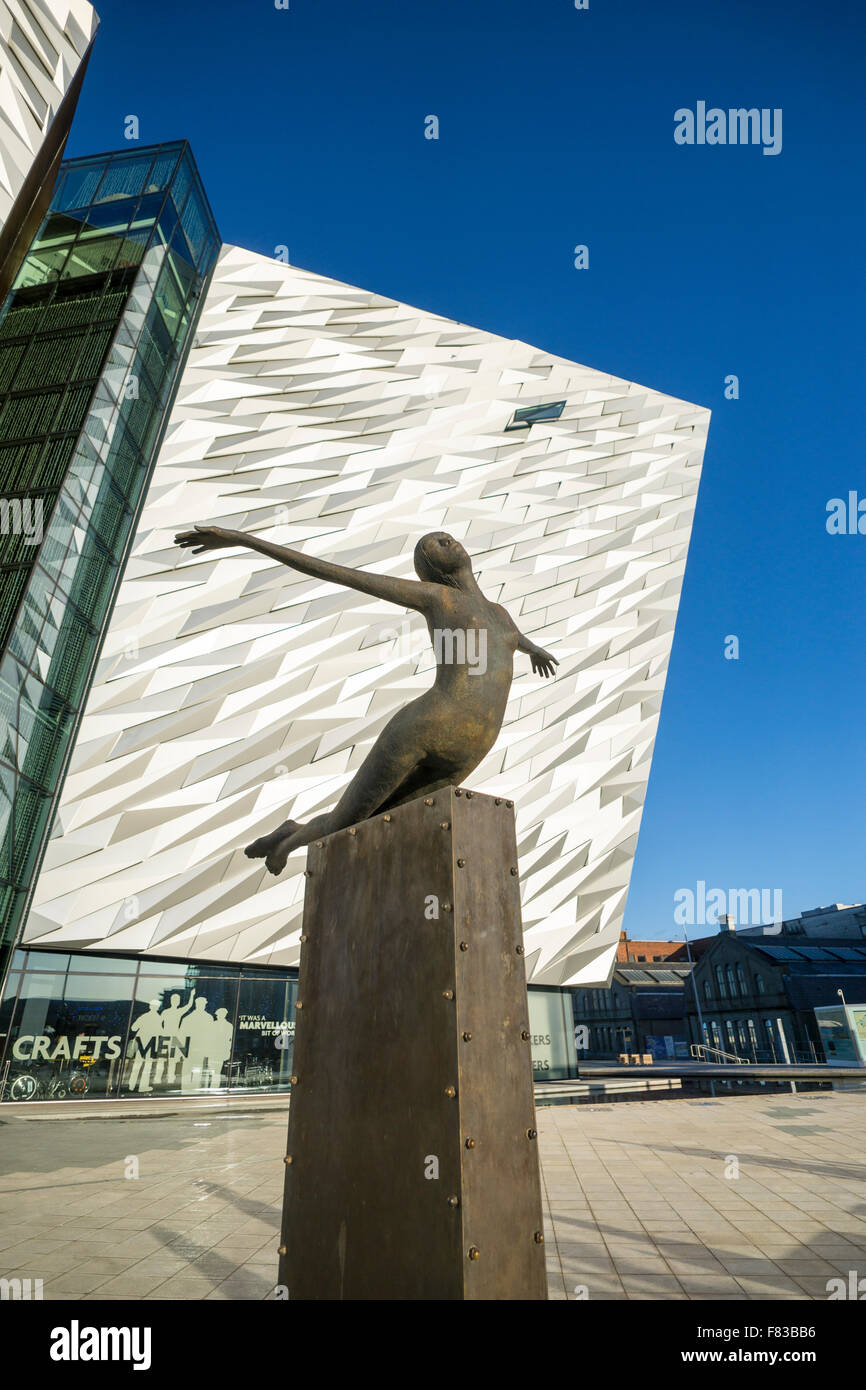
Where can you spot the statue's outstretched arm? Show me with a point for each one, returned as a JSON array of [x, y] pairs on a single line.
[[543, 664], [408, 593]]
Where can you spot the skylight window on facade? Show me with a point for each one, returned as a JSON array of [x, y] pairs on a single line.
[[534, 414]]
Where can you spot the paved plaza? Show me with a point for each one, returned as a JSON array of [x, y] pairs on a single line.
[[747, 1197]]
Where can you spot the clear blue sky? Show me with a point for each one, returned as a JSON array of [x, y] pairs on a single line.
[[556, 128]]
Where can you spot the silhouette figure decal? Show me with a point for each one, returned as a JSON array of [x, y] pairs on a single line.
[[180, 1035]]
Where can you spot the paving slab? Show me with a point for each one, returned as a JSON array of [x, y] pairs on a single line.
[[657, 1199]]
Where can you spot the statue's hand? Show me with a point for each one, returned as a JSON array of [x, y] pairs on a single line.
[[203, 538], [543, 664]]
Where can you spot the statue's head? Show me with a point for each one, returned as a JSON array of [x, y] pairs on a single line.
[[439, 559]]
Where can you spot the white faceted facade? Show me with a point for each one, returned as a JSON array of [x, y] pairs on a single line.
[[42, 44], [233, 692]]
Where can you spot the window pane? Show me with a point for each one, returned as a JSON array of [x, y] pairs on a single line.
[[105, 965], [180, 184], [189, 970], [115, 216], [48, 960], [180, 1037], [78, 187], [41, 266], [93, 255], [265, 1034], [124, 178], [194, 223], [171, 970], [551, 1022], [164, 166], [68, 1047], [58, 227]]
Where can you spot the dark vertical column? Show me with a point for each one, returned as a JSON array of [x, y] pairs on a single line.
[[412, 1159]]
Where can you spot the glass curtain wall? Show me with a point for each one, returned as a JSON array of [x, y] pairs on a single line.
[[92, 338]]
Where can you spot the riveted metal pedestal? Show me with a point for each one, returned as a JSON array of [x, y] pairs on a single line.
[[412, 1158]]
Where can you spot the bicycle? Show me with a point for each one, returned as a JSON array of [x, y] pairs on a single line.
[[27, 1085]]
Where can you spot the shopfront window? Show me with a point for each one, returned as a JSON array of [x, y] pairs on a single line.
[[551, 1024], [66, 1035], [180, 1036], [265, 1034], [94, 1026]]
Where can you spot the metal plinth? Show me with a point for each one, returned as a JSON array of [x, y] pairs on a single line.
[[412, 1158]]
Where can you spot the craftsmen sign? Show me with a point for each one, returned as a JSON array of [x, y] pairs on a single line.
[[39, 1048]]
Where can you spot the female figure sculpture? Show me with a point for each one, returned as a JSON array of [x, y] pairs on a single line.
[[439, 738]]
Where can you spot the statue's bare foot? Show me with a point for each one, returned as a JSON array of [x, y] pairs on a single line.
[[275, 862], [274, 848]]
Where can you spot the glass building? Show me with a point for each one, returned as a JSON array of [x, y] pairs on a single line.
[[93, 337]]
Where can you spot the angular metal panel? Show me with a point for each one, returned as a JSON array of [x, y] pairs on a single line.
[[383, 1198]]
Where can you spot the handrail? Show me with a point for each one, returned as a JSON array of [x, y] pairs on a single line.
[[700, 1050]]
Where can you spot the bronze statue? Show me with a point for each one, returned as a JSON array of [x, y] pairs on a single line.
[[438, 739]]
